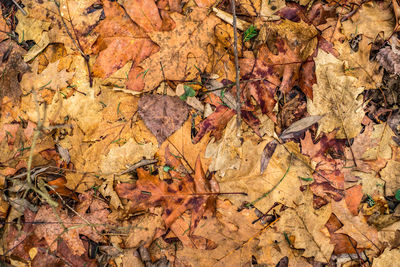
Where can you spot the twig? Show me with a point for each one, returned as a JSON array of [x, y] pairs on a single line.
[[139, 164], [44, 194], [75, 42], [235, 52], [19, 7]]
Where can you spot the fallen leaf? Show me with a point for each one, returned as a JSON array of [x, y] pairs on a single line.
[[186, 192], [336, 97], [299, 127], [144, 13], [343, 243], [120, 40], [191, 36], [356, 227], [387, 258], [391, 175], [12, 68], [307, 225], [214, 123], [162, 114], [353, 198], [96, 215], [367, 16]]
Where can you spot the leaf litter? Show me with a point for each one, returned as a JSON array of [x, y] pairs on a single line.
[[120, 141]]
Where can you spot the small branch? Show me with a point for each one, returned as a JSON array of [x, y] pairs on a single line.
[[139, 164], [235, 52], [75, 42], [19, 7]]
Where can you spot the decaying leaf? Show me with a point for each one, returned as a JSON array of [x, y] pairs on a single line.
[[12, 68], [336, 97], [91, 219], [162, 114]]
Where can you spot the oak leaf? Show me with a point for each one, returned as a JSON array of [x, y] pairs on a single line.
[[336, 97], [185, 192], [182, 54], [328, 176]]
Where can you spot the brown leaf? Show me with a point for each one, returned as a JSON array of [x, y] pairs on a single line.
[[353, 198], [215, 123], [191, 36], [343, 243], [356, 227], [389, 59], [12, 67], [90, 209], [162, 114], [328, 177], [184, 193], [120, 41], [144, 13], [267, 153]]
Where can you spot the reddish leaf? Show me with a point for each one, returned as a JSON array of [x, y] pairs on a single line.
[[328, 178], [353, 198], [184, 193], [343, 243], [145, 13], [264, 89], [214, 123]]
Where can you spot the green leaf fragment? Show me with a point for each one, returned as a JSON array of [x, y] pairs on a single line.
[[397, 195]]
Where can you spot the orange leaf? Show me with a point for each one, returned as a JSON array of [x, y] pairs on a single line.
[[183, 193]]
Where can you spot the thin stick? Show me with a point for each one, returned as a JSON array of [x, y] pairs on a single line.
[[75, 42], [235, 52], [19, 7]]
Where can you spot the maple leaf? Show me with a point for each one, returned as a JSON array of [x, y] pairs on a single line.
[[184, 193], [120, 41], [183, 51]]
